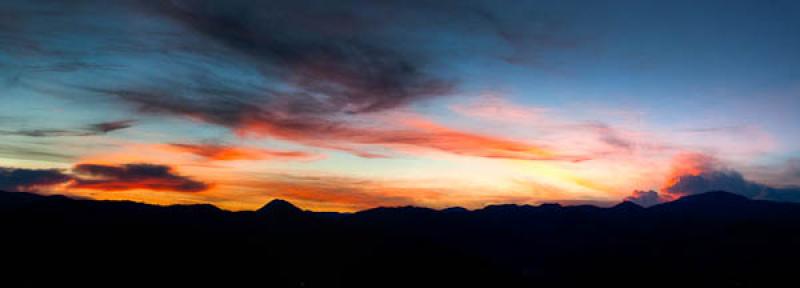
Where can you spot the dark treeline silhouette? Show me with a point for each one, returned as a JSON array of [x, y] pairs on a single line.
[[712, 239]]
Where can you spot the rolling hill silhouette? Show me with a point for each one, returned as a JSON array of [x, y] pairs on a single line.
[[711, 239]]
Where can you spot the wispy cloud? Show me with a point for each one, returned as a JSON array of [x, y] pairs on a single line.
[[227, 152], [90, 130], [496, 108], [318, 76]]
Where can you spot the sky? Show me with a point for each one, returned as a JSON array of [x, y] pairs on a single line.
[[349, 105]]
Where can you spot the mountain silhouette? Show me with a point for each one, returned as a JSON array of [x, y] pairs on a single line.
[[279, 207], [713, 239], [717, 198], [627, 206]]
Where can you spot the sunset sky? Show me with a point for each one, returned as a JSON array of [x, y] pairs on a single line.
[[348, 105]]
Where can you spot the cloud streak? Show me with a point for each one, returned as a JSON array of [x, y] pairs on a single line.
[[409, 134], [355, 73], [231, 153], [96, 129], [133, 176]]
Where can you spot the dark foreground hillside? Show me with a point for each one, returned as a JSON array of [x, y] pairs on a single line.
[[713, 239]]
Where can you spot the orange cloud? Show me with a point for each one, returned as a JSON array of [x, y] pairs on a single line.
[[408, 132], [689, 164], [684, 165], [227, 153]]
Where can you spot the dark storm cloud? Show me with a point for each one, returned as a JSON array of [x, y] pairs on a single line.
[[351, 56], [317, 50], [338, 57], [133, 176], [91, 130], [15, 179], [318, 66]]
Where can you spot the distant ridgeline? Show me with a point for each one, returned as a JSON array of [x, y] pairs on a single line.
[[711, 239]]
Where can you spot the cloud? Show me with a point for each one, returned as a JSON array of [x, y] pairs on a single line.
[[610, 136], [785, 174], [695, 173], [324, 53], [793, 167], [63, 67], [90, 130], [228, 153], [133, 176], [689, 163], [19, 179], [100, 177], [408, 133], [29, 151], [720, 129], [317, 128], [591, 138], [646, 198], [498, 109], [732, 181], [105, 127], [315, 77]]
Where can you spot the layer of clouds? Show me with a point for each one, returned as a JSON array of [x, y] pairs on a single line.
[[311, 72], [100, 177]]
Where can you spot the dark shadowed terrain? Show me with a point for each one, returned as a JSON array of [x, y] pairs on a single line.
[[712, 239]]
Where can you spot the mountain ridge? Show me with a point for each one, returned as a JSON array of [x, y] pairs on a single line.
[[741, 242], [281, 206]]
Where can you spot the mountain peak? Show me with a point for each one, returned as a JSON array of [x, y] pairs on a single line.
[[627, 205], [715, 197], [717, 204], [279, 206], [550, 205]]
